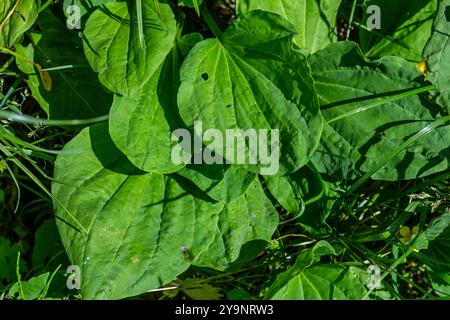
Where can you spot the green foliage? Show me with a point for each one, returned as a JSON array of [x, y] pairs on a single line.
[[405, 29], [72, 93], [147, 251], [112, 44], [354, 144], [314, 20], [435, 241], [437, 53], [31, 289], [364, 146], [8, 258], [325, 282], [216, 90], [16, 17], [86, 6]]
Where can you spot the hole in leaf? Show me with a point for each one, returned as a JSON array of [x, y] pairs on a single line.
[[205, 76], [228, 106], [447, 13]]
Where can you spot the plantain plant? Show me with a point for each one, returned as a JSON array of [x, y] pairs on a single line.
[[346, 111]]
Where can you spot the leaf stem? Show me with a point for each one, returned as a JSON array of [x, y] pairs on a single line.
[[211, 22], [33, 120], [350, 22], [140, 22]]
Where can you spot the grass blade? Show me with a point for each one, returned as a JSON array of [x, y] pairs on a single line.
[[33, 120], [393, 154], [22, 167], [381, 101]]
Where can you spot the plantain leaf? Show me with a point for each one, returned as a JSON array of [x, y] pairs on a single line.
[[31, 289], [112, 46], [306, 196], [437, 53], [218, 182], [405, 28], [82, 7], [133, 239], [304, 260], [16, 17], [141, 125], [294, 190], [315, 20], [435, 241], [325, 282], [249, 217], [308, 280], [241, 83], [347, 82], [440, 283]]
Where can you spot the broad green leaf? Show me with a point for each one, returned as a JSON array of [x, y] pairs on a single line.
[[8, 260], [113, 49], [85, 6], [31, 289], [304, 260], [141, 125], [75, 92], [437, 227], [437, 53], [315, 20], [306, 280], [132, 219], [347, 82], [187, 42], [325, 282], [405, 28], [436, 242], [196, 289], [249, 217], [34, 81], [294, 190], [16, 17], [78, 11], [219, 182], [438, 254], [143, 229], [241, 83], [305, 196], [440, 283], [46, 243]]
